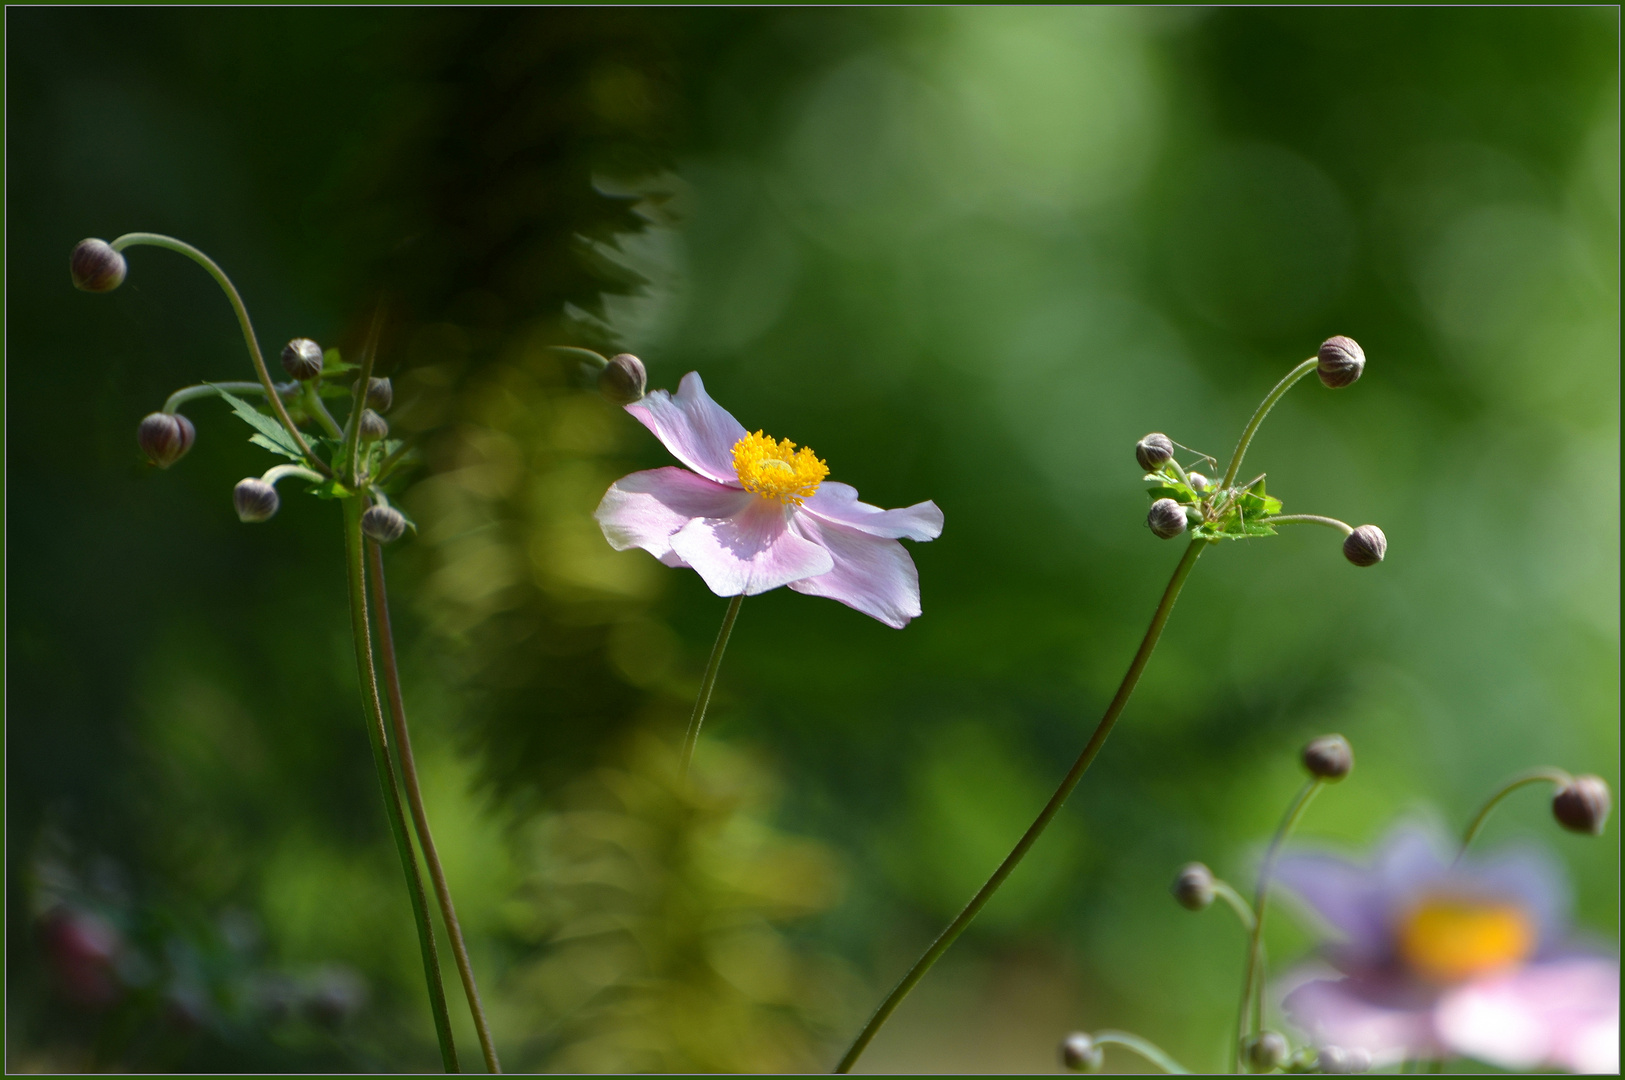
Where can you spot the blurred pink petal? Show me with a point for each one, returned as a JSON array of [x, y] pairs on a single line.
[[698, 432], [1336, 1013], [1562, 1012], [750, 552], [839, 503], [644, 510], [871, 574]]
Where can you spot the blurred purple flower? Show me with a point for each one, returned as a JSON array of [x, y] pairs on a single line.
[[755, 514], [1442, 960]]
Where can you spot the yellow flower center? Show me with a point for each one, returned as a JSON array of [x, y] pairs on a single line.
[[777, 470], [1448, 939]]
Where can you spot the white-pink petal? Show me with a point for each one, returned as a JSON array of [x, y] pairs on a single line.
[[1558, 1012], [871, 574], [644, 510], [839, 503], [698, 432], [1335, 1013], [751, 551]]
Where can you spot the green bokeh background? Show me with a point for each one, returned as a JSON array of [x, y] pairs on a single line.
[[968, 255]]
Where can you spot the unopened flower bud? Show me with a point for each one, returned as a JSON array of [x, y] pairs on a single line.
[[1166, 519], [380, 394], [1199, 482], [96, 267], [302, 359], [1193, 888], [165, 437], [1365, 546], [255, 499], [1265, 1051], [383, 524], [1329, 757], [1080, 1054], [623, 380], [1341, 361], [1582, 805], [373, 426], [1154, 451], [1303, 1060], [1343, 1059]]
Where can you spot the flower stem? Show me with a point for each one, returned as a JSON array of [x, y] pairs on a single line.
[[1147, 645], [203, 390], [219, 275], [1533, 776], [1244, 911], [1252, 983], [316, 408], [1148, 1050], [279, 472], [414, 799], [1262, 411], [352, 425], [355, 565], [707, 682], [1308, 519]]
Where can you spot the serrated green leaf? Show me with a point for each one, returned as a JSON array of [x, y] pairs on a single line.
[[263, 424], [275, 447], [333, 363], [1164, 488]]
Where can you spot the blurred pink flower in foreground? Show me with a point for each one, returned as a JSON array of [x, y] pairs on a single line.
[[756, 514], [1443, 960]]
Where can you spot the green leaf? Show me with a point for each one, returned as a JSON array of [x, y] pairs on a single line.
[[333, 364], [272, 430], [275, 447], [331, 489], [1164, 488]]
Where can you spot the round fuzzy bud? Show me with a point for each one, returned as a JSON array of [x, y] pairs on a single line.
[[255, 499], [1365, 546], [1329, 757], [1080, 1054], [1582, 805], [96, 267], [1154, 451], [1265, 1051], [1341, 361], [373, 426], [1199, 482], [1166, 519], [302, 359], [623, 380], [380, 394], [165, 437], [1193, 888], [383, 523]]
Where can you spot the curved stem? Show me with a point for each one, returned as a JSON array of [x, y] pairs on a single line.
[[1147, 645], [355, 566], [707, 681], [1146, 1049], [1243, 910], [1308, 519], [1262, 411], [203, 390], [1533, 776], [1252, 983], [352, 425], [219, 275], [420, 816], [315, 407], [281, 472]]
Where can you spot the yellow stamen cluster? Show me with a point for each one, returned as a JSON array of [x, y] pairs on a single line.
[[777, 470], [1448, 939]]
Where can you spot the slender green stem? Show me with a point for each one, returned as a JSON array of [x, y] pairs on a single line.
[[316, 408], [1244, 911], [389, 462], [1252, 983], [219, 275], [691, 738], [352, 425], [414, 799], [1146, 1049], [1126, 689], [355, 563], [1534, 776], [1308, 519], [1262, 411], [203, 390], [280, 472]]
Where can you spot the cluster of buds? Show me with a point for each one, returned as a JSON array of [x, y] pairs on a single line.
[[1186, 500]]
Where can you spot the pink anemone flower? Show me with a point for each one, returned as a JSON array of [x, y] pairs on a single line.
[[755, 514], [1443, 958]]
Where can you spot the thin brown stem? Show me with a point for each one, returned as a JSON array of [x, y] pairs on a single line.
[[414, 799]]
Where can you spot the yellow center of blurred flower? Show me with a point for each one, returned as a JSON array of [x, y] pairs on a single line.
[[777, 470], [1449, 939]]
